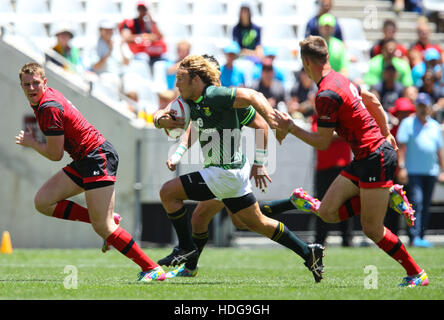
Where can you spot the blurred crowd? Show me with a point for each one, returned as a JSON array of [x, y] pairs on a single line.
[[394, 70]]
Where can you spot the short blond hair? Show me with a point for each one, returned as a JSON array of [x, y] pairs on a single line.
[[197, 65], [32, 68], [314, 48]]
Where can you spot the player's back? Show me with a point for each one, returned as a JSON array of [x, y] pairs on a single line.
[[56, 115], [339, 105]]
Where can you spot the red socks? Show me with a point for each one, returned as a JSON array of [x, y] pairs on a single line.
[[122, 241], [69, 210], [391, 244], [351, 208]]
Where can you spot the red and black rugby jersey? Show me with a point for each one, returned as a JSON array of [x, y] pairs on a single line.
[[57, 116], [339, 105]]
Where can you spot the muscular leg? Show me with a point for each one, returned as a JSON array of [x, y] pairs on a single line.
[[204, 213], [59, 187], [272, 229], [172, 195], [341, 190], [100, 204], [373, 209]]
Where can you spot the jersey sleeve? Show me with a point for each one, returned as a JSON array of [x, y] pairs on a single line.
[[327, 108], [246, 115], [221, 98], [51, 119]]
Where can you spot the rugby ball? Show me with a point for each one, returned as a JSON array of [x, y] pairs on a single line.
[[178, 108]]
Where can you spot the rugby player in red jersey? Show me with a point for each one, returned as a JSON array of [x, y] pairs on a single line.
[[358, 117], [92, 171]]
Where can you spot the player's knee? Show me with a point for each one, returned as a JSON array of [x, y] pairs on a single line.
[[165, 192], [102, 228], [40, 204], [239, 225], [372, 230], [327, 216]]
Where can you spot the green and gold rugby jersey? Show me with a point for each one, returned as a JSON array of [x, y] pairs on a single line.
[[219, 126]]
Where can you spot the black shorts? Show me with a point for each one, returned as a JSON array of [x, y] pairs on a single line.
[[375, 171], [97, 169], [196, 189]]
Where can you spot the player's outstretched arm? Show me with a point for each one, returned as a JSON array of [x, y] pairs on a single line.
[[375, 108], [246, 97], [320, 139], [53, 148]]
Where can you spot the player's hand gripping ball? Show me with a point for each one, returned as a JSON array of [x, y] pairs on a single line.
[[178, 109]]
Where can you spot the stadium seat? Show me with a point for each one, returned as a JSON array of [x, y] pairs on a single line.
[[103, 9], [208, 47], [7, 13], [173, 11], [278, 34], [353, 33], [66, 6], [209, 11], [129, 9], [159, 75], [33, 10], [207, 32], [174, 31], [433, 5]]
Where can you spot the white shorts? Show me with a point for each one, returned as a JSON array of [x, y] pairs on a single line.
[[228, 183]]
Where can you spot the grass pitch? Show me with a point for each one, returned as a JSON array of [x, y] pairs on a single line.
[[224, 274]]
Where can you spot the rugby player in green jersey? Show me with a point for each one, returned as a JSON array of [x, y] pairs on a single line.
[[226, 172]]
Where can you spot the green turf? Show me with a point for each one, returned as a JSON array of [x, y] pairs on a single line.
[[235, 274]]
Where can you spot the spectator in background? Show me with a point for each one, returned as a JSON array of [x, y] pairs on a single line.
[[388, 90], [431, 86], [423, 43], [183, 49], [142, 35], [248, 35], [432, 61], [387, 56], [302, 96], [421, 162], [411, 93], [270, 53], [401, 109], [312, 25], [389, 29], [230, 74], [338, 57], [269, 86], [107, 56], [63, 47], [407, 5]]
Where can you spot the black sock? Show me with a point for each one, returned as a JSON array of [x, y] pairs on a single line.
[[181, 223], [200, 240], [273, 208], [285, 237]]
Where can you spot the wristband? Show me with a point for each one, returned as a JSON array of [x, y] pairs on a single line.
[[259, 157], [175, 158]]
